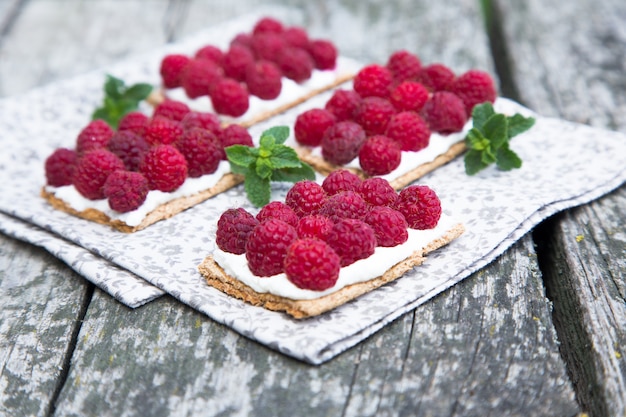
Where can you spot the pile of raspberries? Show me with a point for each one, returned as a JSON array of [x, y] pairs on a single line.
[[323, 227], [254, 64], [143, 154], [392, 108]]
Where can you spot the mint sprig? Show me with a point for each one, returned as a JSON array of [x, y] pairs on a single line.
[[271, 161], [120, 100], [488, 140]]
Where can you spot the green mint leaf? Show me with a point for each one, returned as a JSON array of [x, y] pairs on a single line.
[[473, 162], [488, 156], [280, 134], [506, 159], [476, 140], [241, 155], [267, 142], [481, 113], [138, 92], [238, 169], [264, 168], [113, 87], [257, 189], [496, 130], [519, 124], [303, 172], [284, 157]]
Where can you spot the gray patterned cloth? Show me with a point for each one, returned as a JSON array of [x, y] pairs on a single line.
[[565, 165]]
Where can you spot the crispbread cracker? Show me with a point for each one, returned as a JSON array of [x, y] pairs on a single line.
[[162, 212], [216, 277]]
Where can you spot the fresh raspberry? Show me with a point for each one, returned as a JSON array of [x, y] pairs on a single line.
[[379, 155], [59, 167], [295, 63], [129, 147], [171, 70], [267, 25], [311, 125], [324, 54], [210, 52], [267, 245], [267, 45], [199, 77], [92, 170], [296, 36], [377, 192], [373, 114], [343, 103], [242, 39], [264, 80], [409, 96], [341, 180], [403, 66], [352, 240], [202, 151], [171, 109], [390, 226], [161, 130], [342, 141], [314, 226], [444, 113], [95, 135], [420, 206], [436, 77], [344, 205], [278, 210], [311, 264], [126, 191], [373, 81], [134, 121], [164, 167], [236, 61], [474, 87], [204, 120], [305, 197], [235, 135], [233, 228], [408, 130], [230, 98]]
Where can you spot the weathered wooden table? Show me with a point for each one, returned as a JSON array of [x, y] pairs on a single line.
[[540, 331]]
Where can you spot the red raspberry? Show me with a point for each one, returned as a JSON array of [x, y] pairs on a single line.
[[164, 167], [278, 210], [235, 135], [264, 80], [403, 66], [373, 114], [474, 87], [445, 113], [267, 245], [296, 36], [295, 63], [342, 141], [171, 70], [267, 45], [199, 77], [420, 206], [311, 125], [161, 130], [95, 135], [343, 103], [390, 226], [230, 98], [436, 77], [344, 205], [379, 155], [341, 180], [311, 264], [242, 39], [92, 170], [409, 96], [236, 61], [126, 191], [305, 197], [377, 192], [324, 54], [202, 151], [59, 167], [204, 120], [408, 130], [134, 121], [171, 109], [129, 147], [233, 228], [267, 25], [373, 80], [352, 240], [210, 52], [314, 226]]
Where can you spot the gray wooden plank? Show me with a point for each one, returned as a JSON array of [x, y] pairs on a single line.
[[570, 63]]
